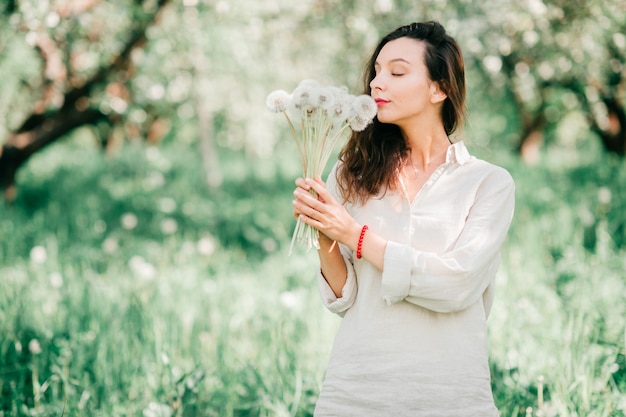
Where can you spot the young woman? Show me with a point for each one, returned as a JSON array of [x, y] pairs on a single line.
[[411, 227]]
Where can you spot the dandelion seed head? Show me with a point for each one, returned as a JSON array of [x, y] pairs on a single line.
[[357, 123], [328, 97], [310, 83], [294, 110], [277, 101], [38, 255], [340, 111], [364, 106], [306, 97]]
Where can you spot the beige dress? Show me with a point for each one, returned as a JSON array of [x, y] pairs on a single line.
[[413, 338]]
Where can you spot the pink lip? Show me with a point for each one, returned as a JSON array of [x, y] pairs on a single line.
[[380, 101]]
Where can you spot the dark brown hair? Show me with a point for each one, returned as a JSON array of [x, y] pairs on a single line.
[[371, 157]]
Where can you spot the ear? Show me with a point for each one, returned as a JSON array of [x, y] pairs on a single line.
[[437, 95]]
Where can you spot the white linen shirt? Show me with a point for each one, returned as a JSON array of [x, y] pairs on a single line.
[[413, 338]]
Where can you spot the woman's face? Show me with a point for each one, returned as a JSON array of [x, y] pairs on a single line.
[[402, 88]]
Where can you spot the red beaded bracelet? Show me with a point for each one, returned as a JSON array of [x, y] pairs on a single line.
[[359, 245]]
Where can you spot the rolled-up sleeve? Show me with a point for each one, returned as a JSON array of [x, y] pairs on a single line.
[[456, 278], [339, 305]]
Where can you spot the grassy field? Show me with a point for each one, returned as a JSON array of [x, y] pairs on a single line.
[[129, 288]]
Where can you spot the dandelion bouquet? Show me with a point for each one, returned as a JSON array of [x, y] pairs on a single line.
[[324, 115]]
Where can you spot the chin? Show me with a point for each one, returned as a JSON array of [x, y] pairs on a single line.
[[384, 119]]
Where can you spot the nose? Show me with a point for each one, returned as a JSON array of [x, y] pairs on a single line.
[[376, 83]]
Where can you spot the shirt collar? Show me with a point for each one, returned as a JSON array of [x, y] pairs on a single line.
[[457, 152]]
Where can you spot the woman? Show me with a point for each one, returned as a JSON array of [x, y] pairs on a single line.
[[419, 225]]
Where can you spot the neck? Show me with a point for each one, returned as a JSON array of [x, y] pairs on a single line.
[[426, 150]]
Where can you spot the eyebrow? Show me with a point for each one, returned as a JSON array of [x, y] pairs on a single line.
[[394, 60]]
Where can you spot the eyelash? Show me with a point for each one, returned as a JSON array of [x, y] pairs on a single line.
[[393, 74]]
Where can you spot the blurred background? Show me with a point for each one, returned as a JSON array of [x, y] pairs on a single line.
[[145, 219]]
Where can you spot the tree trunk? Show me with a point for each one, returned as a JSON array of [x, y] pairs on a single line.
[[42, 128], [529, 147], [29, 139], [614, 136]]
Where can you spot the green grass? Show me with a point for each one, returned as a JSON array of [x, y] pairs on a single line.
[[129, 288]]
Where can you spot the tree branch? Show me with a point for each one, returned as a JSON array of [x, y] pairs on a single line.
[[43, 128]]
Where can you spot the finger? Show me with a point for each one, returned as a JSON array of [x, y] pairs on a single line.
[[311, 221], [296, 211], [300, 182], [320, 188], [307, 212], [307, 203]]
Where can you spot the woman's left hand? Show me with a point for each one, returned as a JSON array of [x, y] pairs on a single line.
[[324, 213]]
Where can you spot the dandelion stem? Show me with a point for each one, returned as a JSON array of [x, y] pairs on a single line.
[[324, 116]]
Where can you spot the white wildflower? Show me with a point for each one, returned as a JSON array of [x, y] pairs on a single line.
[[158, 410], [269, 245], [155, 180], [142, 268], [277, 101], [129, 221], [169, 226], [167, 205], [34, 347], [56, 280], [38, 255], [290, 300], [110, 245], [206, 246], [604, 195]]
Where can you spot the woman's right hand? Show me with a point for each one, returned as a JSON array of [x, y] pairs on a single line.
[[322, 211]]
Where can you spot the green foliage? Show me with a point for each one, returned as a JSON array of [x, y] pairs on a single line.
[[128, 286], [129, 314], [231, 54], [107, 308]]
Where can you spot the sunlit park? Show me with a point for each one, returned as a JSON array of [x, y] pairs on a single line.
[[146, 216]]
